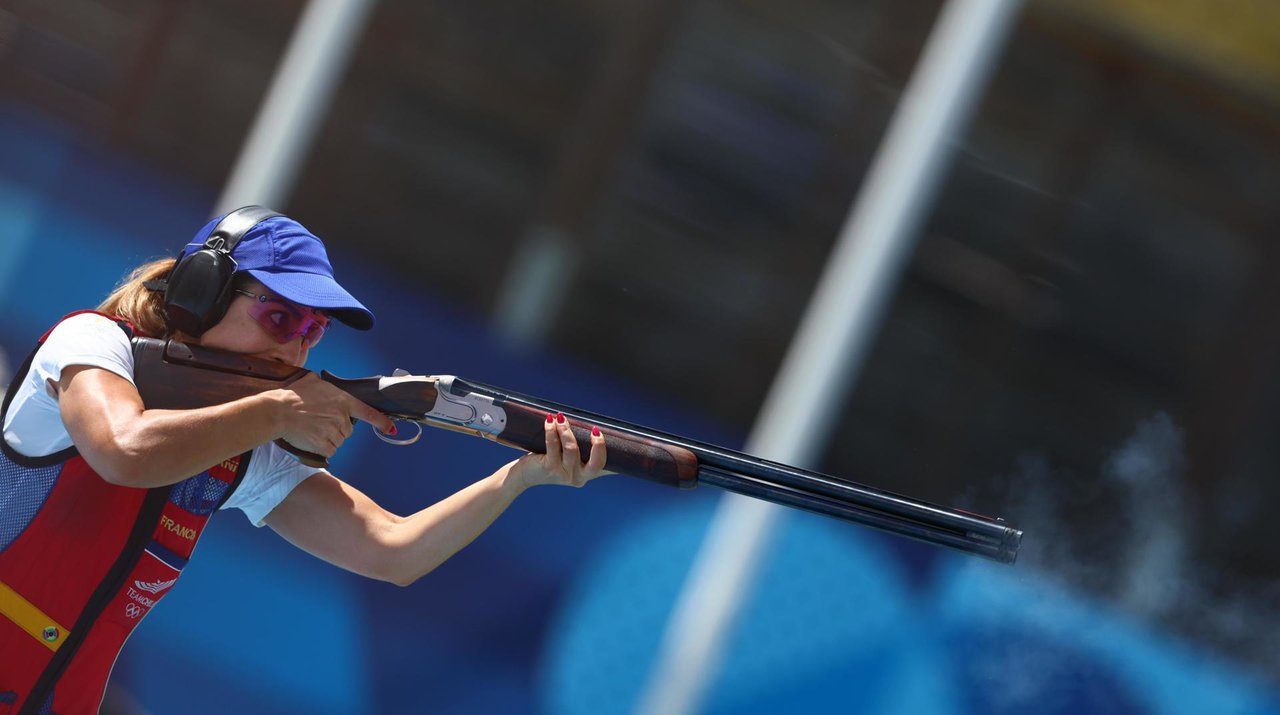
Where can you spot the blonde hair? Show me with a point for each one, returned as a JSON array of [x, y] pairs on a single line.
[[138, 304]]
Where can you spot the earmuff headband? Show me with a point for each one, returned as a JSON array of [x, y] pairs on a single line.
[[198, 290]]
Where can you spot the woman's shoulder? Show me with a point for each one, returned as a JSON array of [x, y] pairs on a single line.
[[89, 339], [86, 329], [90, 321], [32, 421]]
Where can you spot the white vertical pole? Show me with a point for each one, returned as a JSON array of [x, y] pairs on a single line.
[[536, 285], [295, 104], [834, 336]]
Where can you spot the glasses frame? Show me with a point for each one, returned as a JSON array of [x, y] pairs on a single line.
[[313, 316]]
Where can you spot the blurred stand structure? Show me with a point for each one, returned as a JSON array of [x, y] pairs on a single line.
[[298, 100], [1101, 253], [547, 259], [833, 338]]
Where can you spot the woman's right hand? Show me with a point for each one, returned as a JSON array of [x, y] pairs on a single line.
[[318, 417]]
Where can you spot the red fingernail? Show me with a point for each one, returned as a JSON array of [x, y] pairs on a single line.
[[595, 431], [560, 417], [550, 418], [392, 431]]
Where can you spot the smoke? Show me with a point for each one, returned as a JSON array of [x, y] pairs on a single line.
[[1149, 469], [1122, 535]]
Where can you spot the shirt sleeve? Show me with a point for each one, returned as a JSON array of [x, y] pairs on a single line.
[[85, 339], [33, 424], [272, 475]]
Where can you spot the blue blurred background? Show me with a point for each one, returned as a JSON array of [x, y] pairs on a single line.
[[1082, 342]]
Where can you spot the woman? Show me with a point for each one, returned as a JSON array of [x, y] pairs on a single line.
[[102, 500]]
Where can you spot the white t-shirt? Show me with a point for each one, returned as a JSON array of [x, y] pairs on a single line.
[[33, 426]]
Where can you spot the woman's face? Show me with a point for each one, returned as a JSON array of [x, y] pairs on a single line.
[[239, 331]]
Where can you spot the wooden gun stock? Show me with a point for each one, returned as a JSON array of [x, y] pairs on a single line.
[[171, 375]]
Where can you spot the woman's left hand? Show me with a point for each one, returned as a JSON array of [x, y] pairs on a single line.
[[562, 463]]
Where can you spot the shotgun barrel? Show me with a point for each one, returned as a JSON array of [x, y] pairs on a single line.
[[794, 487]]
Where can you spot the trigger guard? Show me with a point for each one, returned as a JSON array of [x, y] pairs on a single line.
[[399, 442]]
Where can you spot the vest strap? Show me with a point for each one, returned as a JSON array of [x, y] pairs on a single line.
[[31, 619]]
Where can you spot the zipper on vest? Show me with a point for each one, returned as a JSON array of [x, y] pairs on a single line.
[[143, 527]]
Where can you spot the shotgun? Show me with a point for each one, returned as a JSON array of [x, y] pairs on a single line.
[[171, 374]]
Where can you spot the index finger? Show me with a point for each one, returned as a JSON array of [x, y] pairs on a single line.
[[381, 422]]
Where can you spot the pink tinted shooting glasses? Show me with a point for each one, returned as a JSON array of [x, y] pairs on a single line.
[[286, 320]]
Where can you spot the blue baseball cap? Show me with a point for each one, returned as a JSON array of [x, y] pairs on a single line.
[[290, 260]]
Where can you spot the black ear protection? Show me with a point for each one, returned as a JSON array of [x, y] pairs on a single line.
[[198, 291]]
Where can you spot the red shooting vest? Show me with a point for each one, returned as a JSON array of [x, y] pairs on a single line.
[[82, 561]]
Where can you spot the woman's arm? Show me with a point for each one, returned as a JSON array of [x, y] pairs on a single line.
[[334, 521], [132, 446]]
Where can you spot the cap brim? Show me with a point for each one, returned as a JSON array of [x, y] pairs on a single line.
[[318, 291]]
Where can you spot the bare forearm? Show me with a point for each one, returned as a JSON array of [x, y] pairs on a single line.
[[427, 538], [337, 522], [162, 447], [434, 534]]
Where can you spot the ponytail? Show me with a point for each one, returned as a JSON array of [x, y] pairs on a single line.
[[139, 305]]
